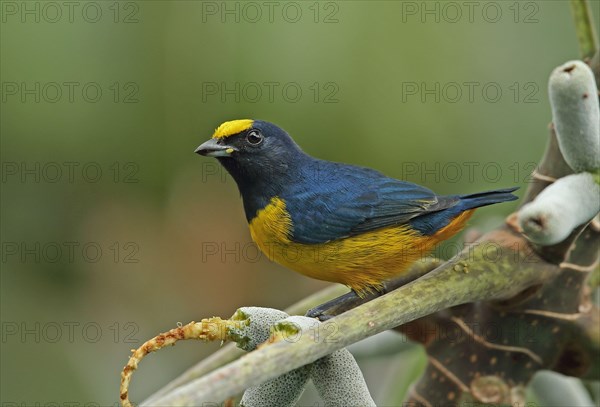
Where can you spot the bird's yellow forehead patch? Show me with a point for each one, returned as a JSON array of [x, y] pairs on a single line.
[[232, 127]]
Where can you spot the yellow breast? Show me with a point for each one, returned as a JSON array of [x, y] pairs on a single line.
[[361, 262]]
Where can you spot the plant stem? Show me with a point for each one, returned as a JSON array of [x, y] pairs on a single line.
[[584, 25]]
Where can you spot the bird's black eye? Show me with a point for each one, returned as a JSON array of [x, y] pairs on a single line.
[[254, 137]]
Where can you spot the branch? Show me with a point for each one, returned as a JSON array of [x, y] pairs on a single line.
[[469, 277], [230, 352], [584, 26]]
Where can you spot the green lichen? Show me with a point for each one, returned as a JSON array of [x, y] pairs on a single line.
[[286, 328]]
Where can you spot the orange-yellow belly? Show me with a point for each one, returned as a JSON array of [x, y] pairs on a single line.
[[361, 262]]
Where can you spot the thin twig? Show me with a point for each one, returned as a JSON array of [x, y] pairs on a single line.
[[584, 25]]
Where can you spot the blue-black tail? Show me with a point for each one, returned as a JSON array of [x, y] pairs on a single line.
[[432, 222], [472, 201]]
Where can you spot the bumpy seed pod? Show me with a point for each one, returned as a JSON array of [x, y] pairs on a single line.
[[283, 391], [576, 115], [340, 382], [286, 389], [561, 207], [257, 328]]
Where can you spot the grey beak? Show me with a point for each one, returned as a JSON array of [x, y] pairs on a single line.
[[212, 148]]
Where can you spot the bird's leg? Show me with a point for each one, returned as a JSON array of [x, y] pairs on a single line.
[[350, 300], [342, 304]]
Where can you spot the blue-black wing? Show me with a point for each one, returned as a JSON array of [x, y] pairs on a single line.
[[340, 200]]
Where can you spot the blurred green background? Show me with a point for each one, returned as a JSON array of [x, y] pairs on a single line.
[[113, 230]]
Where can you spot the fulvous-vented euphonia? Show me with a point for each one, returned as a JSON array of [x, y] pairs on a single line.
[[334, 221]]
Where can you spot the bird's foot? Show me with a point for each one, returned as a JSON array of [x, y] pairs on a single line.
[[351, 299], [341, 304]]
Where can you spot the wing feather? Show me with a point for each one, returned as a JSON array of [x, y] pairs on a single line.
[[354, 200]]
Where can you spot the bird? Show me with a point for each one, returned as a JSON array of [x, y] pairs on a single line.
[[332, 221]]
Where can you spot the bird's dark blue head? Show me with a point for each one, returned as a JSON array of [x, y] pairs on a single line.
[[261, 157]]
